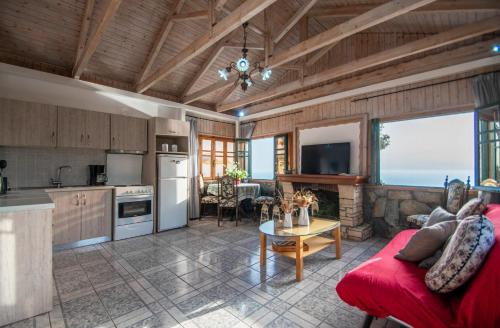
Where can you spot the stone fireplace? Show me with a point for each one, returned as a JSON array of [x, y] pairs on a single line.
[[346, 193]]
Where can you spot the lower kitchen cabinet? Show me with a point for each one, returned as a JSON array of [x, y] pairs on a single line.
[[96, 214], [81, 215]]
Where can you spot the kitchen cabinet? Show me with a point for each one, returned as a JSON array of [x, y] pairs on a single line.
[[66, 221], [82, 129], [27, 124], [96, 214], [129, 133], [81, 215], [171, 127]]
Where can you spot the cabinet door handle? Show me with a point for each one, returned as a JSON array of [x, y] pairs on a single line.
[[53, 135], [84, 197], [77, 199], [88, 139]]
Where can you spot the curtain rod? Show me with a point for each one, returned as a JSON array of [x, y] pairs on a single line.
[[207, 119]]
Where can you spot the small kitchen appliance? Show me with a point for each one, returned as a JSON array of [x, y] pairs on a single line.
[[3, 180], [97, 175]]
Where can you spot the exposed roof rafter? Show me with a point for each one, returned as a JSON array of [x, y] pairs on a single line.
[[162, 35], [431, 42], [92, 43], [294, 20], [243, 13]]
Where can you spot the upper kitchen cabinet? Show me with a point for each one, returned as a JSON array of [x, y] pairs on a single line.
[[129, 133], [27, 124], [171, 127], [82, 129]]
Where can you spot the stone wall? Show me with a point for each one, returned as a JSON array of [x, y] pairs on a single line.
[[386, 207]]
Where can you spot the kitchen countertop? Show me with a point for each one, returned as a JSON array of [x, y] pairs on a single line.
[[37, 198], [25, 200]]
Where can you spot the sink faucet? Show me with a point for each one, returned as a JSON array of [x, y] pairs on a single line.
[[57, 181]]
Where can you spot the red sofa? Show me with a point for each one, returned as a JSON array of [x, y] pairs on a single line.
[[384, 286]]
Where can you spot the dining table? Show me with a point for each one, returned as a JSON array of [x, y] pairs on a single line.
[[246, 190]]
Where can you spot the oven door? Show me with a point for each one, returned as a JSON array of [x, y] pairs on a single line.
[[133, 209]]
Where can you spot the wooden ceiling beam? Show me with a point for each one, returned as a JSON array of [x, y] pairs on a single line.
[[379, 14], [431, 42], [449, 62], [194, 15], [243, 13], [227, 92], [251, 26], [93, 41], [440, 6], [318, 55], [357, 24], [294, 20], [84, 29], [206, 65], [160, 38]]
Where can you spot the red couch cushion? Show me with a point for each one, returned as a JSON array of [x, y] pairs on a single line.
[[384, 286]]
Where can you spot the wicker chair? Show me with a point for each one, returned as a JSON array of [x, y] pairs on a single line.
[[456, 193], [227, 198], [205, 199]]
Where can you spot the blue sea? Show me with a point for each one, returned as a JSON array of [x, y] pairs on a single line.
[[427, 178]]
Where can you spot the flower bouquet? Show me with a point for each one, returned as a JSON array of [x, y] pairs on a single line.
[[303, 199], [235, 172], [286, 205]]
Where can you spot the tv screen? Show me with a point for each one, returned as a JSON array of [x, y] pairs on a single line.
[[331, 158]]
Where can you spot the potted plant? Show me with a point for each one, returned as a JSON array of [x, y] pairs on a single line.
[[236, 173]]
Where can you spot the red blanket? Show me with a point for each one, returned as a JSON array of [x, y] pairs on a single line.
[[384, 286]]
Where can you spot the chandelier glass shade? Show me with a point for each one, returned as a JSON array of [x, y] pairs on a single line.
[[244, 68]]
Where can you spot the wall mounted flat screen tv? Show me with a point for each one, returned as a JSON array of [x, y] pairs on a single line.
[[331, 158]]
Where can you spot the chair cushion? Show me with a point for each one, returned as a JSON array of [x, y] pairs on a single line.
[[209, 199], [463, 256], [439, 215], [475, 206], [418, 219], [264, 200], [426, 241], [231, 202]]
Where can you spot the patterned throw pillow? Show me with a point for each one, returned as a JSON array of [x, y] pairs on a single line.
[[463, 256], [475, 206], [439, 215]]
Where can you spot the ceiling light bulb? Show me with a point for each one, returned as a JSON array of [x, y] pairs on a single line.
[[223, 74], [242, 64], [241, 113], [249, 82], [266, 74], [495, 48]]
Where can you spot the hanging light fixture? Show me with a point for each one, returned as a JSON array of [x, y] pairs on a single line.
[[243, 65]]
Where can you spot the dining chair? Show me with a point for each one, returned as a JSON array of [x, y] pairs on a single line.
[[227, 197], [205, 199]]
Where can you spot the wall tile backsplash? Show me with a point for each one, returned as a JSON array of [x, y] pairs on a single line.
[[33, 167]]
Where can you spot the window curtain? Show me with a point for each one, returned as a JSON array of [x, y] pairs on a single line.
[[375, 154], [486, 89], [246, 130], [194, 201]]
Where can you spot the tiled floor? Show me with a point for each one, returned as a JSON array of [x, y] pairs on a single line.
[[202, 276]]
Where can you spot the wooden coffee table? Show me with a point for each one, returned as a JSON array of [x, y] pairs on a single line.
[[299, 234]]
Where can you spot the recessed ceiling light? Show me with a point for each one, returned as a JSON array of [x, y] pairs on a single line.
[[495, 48], [241, 113]]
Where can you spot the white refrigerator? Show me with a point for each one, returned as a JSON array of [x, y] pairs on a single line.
[[172, 191]]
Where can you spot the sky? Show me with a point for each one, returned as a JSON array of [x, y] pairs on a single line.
[[262, 158], [442, 142]]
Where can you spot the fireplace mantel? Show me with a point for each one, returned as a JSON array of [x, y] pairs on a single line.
[[353, 180]]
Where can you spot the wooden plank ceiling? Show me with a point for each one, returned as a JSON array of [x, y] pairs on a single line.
[[124, 43]]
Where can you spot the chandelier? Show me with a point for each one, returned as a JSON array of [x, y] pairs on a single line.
[[242, 67]]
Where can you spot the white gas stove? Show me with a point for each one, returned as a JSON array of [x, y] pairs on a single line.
[[133, 211]]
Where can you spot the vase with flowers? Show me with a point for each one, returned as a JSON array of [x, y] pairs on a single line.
[[235, 172], [303, 199], [286, 205]]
